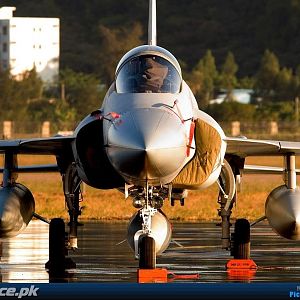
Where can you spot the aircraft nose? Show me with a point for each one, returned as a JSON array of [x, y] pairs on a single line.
[[147, 144]]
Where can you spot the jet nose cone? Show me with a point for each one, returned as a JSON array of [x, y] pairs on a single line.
[[147, 144]]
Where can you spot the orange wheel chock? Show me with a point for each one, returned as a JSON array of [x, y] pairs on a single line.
[[241, 264], [152, 275]]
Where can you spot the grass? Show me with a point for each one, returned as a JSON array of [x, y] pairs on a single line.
[[111, 205]]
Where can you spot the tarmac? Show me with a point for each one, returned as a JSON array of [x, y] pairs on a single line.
[[194, 255]]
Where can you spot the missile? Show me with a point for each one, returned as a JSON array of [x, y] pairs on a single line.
[[16, 209], [282, 209]]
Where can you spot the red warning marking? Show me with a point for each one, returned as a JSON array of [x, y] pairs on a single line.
[[114, 115], [192, 129]]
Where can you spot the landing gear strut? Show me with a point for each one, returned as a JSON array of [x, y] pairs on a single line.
[[58, 243], [146, 243], [226, 199], [71, 186]]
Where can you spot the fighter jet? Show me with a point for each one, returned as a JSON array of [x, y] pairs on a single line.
[[150, 140]]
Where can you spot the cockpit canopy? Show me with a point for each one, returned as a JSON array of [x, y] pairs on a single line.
[[148, 69]]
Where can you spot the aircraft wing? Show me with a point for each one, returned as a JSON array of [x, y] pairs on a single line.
[[251, 147], [52, 145], [253, 169]]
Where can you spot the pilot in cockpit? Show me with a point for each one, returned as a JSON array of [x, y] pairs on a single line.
[[151, 76]]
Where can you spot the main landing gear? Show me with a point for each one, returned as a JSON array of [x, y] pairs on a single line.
[[226, 200], [59, 241], [239, 241], [58, 262]]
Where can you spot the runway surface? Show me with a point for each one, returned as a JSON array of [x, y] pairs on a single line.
[[102, 258]]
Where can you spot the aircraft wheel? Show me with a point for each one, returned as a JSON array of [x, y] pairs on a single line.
[[57, 246], [56, 243], [147, 253], [241, 239]]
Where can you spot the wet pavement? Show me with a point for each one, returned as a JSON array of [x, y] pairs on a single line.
[[195, 250]]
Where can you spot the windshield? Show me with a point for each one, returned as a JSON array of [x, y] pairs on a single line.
[[148, 74]]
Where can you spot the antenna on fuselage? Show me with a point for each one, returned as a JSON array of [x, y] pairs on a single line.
[[152, 23]]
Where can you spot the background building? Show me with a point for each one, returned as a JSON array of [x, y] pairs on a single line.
[[26, 43], [238, 95]]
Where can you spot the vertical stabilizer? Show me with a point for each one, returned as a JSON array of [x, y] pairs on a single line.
[[152, 23]]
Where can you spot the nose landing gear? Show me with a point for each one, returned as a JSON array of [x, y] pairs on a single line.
[[149, 231]]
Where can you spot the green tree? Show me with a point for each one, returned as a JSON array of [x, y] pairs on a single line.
[[83, 92], [64, 115], [6, 94], [228, 79], [17, 93], [30, 86], [114, 44], [28, 91], [232, 111], [42, 110], [285, 89], [203, 78], [246, 82], [296, 82], [266, 78], [278, 111]]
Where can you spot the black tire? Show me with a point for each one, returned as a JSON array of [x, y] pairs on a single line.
[[57, 247], [241, 239], [147, 253]]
